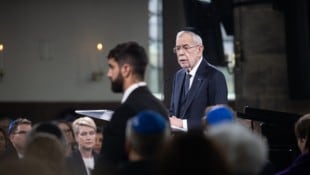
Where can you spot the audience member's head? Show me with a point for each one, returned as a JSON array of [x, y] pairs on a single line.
[[66, 128], [302, 132], [99, 140], [49, 128], [3, 140], [24, 167], [84, 129], [17, 131], [15, 125], [245, 150], [192, 152], [146, 133], [46, 147], [4, 123], [218, 114]]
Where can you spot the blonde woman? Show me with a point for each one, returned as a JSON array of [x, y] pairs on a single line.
[[82, 161]]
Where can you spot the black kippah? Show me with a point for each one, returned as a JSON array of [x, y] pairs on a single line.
[[192, 29]]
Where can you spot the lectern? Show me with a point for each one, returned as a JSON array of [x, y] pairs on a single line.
[[278, 128]]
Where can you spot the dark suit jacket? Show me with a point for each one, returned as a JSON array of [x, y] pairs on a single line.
[[141, 167], [113, 147], [10, 153], [208, 88], [300, 166], [75, 164]]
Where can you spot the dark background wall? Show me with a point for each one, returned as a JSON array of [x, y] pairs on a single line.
[[272, 53]]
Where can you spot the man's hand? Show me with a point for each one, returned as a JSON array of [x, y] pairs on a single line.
[[176, 121]]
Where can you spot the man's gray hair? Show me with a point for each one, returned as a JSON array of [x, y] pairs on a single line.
[[196, 38], [246, 151]]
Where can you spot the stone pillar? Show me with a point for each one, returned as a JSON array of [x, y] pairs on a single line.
[[261, 78]]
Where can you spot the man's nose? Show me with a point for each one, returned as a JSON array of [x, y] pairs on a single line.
[[109, 73], [181, 52]]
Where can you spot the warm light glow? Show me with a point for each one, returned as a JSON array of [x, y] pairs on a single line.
[[99, 46], [1, 47]]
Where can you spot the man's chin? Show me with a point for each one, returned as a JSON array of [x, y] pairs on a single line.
[[183, 65], [116, 90]]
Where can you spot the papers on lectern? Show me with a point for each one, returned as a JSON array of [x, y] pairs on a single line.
[[102, 114], [175, 128]]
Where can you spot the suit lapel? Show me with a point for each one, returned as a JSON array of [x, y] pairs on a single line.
[[199, 78], [178, 89], [193, 92]]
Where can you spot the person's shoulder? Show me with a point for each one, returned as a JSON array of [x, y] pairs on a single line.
[[142, 99], [95, 155], [8, 155], [137, 94], [122, 112], [208, 65], [73, 154], [212, 68]]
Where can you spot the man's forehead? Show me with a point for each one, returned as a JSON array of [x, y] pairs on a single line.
[[24, 126], [184, 38], [112, 62]]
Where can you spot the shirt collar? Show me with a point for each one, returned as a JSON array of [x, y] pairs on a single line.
[[194, 70], [131, 88]]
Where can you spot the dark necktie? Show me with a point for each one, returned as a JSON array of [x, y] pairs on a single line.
[[186, 84]]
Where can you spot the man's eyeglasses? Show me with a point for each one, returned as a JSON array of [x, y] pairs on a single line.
[[67, 131], [185, 47]]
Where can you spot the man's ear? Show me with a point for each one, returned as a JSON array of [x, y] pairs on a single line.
[[11, 137], [200, 49], [126, 70]]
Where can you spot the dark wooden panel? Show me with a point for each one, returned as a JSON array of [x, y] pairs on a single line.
[[45, 111]]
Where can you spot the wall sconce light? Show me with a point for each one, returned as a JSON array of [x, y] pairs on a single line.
[[2, 73], [98, 74], [99, 46]]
